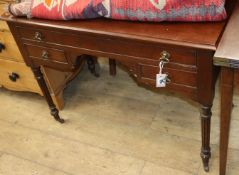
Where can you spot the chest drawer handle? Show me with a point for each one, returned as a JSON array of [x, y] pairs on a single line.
[[14, 76], [45, 55], [165, 57], [2, 47], [38, 36]]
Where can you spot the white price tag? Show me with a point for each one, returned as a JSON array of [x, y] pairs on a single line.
[[161, 80]]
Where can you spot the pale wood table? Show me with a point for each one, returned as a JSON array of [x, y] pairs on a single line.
[[227, 56]]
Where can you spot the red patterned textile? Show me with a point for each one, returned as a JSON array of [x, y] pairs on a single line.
[[168, 10], [64, 9], [140, 10]]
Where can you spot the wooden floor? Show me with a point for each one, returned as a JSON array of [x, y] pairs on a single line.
[[113, 127]]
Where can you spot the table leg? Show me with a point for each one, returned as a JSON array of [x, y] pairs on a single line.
[[227, 77], [39, 77], [206, 127], [92, 63], [112, 64]]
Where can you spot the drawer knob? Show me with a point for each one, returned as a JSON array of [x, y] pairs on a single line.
[[14, 76], [38, 36], [2, 47], [45, 55], [165, 56]]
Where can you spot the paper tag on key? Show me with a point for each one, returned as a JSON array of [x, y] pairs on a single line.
[[160, 77], [161, 80]]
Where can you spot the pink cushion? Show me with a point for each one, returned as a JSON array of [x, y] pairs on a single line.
[[140, 10], [168, 10], [65, 9]]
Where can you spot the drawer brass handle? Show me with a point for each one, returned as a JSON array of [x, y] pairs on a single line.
[[165, 56], [2, 47], [38, 36], [14, 76], [45, 55]]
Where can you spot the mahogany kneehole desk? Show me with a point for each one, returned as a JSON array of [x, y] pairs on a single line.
[[138, 46]]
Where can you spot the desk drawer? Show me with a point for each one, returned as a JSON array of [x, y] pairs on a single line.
[[180, 80], [17, 76], [37, 35], [10, 49], [176, 76], [46, 54], [109, 45]]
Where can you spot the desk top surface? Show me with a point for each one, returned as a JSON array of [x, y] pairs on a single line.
[[200, 35], [227, 53]]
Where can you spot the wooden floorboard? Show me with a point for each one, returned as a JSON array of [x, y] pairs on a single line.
[[114, 127]]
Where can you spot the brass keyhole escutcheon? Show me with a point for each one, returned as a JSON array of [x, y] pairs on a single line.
[[38, 36]]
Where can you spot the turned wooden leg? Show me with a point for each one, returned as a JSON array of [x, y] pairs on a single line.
[[39, 77], [91, 62], [112, 64], [206, 126], [227, 77]]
